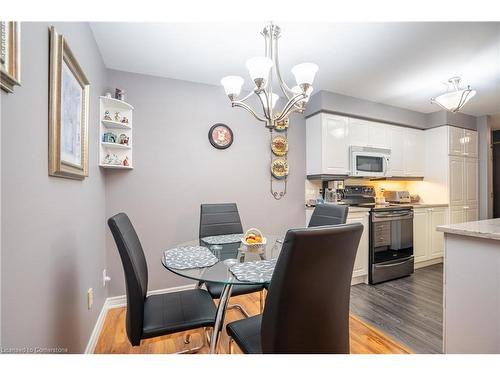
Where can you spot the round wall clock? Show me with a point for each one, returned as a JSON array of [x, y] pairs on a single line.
[[220, 136]]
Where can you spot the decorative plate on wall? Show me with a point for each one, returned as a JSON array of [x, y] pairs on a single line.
[[279, 168], [220, 136], [279, 145]]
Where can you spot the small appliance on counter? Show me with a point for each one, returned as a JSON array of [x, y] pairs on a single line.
[[397, 196]]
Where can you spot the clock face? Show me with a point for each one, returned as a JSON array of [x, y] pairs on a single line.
[[220, 136]]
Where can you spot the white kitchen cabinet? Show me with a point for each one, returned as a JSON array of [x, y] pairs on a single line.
[[427, 242], [457, 181], [327, 145], [368, 133], [462, 142], [361, 262], [414, 156], [457, 215], [407, 151], [471, 181], [438, 216], [397, 139], [420, 234], [456, 146], [471, 213]]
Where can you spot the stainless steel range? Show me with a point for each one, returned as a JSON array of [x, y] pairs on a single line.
[[391, 235]]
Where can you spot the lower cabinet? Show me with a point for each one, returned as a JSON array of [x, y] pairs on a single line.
[[361, 262], [428, 243], [462, 214], [360, 271]]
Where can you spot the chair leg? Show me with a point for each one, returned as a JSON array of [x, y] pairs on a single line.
[[230, 346], [187, 340], [240, 308], [262, 301]]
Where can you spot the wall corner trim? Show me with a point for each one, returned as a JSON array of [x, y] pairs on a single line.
[[121, 301]]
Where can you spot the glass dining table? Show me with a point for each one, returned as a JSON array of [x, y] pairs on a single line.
[[224, 260]]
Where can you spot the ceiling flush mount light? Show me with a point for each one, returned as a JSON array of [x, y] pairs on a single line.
[[261, 70], [455, 99]]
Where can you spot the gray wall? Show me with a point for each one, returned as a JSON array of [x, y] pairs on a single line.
[[176, 169], [326, 101], [53, 229]]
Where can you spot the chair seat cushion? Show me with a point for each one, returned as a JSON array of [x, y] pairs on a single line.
[[215, 289], [175, 312], [246, 333]]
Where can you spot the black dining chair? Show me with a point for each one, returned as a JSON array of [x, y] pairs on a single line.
[[329, 214], [307, 306], [218, 219], [160, 314]]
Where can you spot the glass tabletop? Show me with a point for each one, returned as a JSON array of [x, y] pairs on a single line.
[[228, 254]]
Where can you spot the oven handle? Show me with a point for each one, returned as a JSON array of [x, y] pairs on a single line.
[[392, 264], [378, 219]]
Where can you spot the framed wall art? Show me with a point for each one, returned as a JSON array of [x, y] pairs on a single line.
[[220, 136], [68, 112], [10, 55]]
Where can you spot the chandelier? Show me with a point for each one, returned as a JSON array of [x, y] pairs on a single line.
[[261, 69], [455, 99]]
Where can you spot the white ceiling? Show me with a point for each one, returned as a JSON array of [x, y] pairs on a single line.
[[401, 64]]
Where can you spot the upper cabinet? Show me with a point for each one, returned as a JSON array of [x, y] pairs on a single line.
[[368, 134], [327, 145], [407, 151], [329, 138], [462, 142]]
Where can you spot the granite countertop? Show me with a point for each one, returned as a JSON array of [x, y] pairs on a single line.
[[483, 229]]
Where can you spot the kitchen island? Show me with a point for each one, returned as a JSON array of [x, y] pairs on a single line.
[[472, 287]]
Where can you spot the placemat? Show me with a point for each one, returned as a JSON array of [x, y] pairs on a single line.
[[223, 239], [255, 271], [185, 257]]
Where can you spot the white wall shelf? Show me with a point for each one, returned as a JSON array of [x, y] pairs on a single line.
[[113, 166], [122, 152], [115, 125], [116, 145]]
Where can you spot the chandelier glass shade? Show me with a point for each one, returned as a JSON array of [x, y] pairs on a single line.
[[454, 100], [262, 70]]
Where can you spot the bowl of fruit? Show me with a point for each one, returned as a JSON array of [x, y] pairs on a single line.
[[253, 240]]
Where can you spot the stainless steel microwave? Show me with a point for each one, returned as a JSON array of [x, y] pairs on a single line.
[[370, 161]]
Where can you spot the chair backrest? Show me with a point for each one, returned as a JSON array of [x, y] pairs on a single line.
[[136, 273], [307, 306], [219, 218], [329, 214]]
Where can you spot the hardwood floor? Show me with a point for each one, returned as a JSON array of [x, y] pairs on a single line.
[[113, 339], [409, 309]]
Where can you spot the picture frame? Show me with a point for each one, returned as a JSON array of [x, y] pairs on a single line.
[[220, 136], [69, 91], [10, 55]]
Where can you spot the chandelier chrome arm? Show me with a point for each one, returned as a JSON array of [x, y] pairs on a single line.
[[284, 87], [265, 103], [291, 104], [249, 109]]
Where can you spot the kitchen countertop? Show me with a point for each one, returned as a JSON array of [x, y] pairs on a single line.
[[414, 205], [428, 205], [489, 229], [351, 209]]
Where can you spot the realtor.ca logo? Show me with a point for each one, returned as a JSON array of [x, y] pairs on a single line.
[[33, 350]]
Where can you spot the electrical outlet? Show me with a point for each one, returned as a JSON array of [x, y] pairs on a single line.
[[90, 298], [105, 278]]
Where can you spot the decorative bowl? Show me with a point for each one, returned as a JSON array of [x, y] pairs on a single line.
[[249, 244]]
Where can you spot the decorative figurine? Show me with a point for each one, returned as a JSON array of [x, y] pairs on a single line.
[[112, 160], [109, 137], [107, 116], [125, 161], [117, 116], [123, 139], [119, 94], [124, 120]]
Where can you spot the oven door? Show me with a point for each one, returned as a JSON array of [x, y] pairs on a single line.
[[369, 164], [392, 236]]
